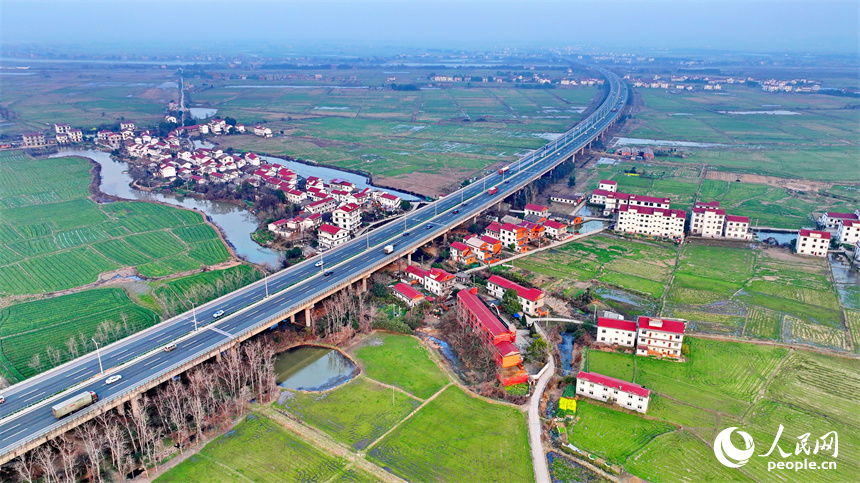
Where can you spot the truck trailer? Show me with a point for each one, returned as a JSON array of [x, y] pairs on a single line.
[[493, 190], [72, 404], [388, 248]]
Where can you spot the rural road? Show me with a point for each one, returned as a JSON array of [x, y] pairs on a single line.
[[541, 468]]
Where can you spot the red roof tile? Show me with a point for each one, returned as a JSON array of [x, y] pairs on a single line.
[[408, 291], [459, 246], [844, 216], [616, 324], [527, 293], [821, 234], [533, 207], [418, 272], [482, 313], [506, 348], [737, 219], [330, 229], [663, 325], [608, 181], [607, 381]]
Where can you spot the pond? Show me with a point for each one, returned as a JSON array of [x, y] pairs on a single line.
[[201, 112], [311, 368], [565, 350], [235, 222], [847, 281], [782, 238]]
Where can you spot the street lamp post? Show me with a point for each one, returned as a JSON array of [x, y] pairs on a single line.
[[98, 354], [193, 314], [266, 280]]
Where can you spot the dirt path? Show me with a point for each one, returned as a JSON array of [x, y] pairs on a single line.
[[415, 411], [329, 445], [766, 384]]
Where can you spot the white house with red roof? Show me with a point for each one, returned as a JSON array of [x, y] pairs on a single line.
[[330, 236], [555, 229], [608, 389], [408, 294], [848, 232], [494, 332], [295, 196], [738, 227], [616, 331], [511, 234], [484, 248], [167, 170], [533, 209], [494, 230], [462, 253], [126, 125], [608, 185], [660, 337], [812, 242], [659, 222], [707, 220], [531, 299], [280, 227], [830, 220], [438, 281], [262, 131], [415, 275], [389, 201], [326, 205], [348, 217]]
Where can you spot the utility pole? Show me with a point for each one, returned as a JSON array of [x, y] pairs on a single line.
[[98, 354], [193, 314]]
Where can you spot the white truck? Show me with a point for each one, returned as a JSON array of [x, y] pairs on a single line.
[[388, 249], [73, 404]]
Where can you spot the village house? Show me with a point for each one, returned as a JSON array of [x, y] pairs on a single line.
[[279, 227], [62, 138], [415, 275], [126, 125], [658, 222], [812, 242], [389, 202], [608, 185], [608, 389], [484, 248], [532, 209], [462, 253], [330, 236], [494, 230], [262, 131], [849, 232], [75, 135], [438, 281], [738, 227], [326, 205], [707, 220], [830, 220], [513, 235], [62, 128], [616, 331], [33, 139], [295, 196], [347, 217], [555, 229], [494, 332], [660, 337], [531, 299], [408, 294]]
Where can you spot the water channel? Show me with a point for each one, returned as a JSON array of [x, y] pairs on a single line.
[[311, 368]]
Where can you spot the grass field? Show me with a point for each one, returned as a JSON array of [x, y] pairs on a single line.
[[30, 328], [725, 384], [54, 238], [458, 438], [401, 361], [257, 449], [356, 413]]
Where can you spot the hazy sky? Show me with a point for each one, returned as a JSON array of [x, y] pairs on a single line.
[[753, 26]]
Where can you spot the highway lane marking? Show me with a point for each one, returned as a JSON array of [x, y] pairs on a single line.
[[10, 429], [19, 432]]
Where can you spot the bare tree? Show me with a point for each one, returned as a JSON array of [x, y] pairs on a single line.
[[25, 467], [232, 375], [114, 440], [53, 355], [72, 346], [47, 461], [93, 441], [174, 398], [197, 400], [366, 312], [35, 363], [68, 455]]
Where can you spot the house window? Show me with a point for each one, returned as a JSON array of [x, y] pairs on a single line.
[[640, 406]]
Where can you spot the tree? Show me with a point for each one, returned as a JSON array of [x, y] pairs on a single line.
[[571, 181], [511, 301], [93, 442], [25, 467], [405, 205], [230, 121], [538, 350]]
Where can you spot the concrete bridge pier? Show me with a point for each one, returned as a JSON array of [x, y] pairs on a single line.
[[308, 315], [135, 405]]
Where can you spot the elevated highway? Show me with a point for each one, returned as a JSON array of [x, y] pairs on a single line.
[[26, 419]]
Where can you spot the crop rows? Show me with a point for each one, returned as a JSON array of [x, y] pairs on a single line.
[[15, 281], [156, 244], [669, 459], [80, 236], [853, 322], [19, 317], [763, 323], [195, 233], [34, 246], [71, 268], [209, 252], [121, 252], [7, 233], [798, 330]]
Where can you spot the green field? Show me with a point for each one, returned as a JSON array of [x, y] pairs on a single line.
[[401, 361], [457, 437], [30, 328], [725, 384], [257, 449], [54, 237], [356, 413]]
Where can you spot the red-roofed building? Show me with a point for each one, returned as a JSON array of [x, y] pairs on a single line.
[[616, 331], [438, 281], [608, 185], [555, 229], [494, 331], [707, 221], [830, 220], [462, 253], [812, 242], [532, 209], [605, 388], [517, 236], [279, 227], [347, 217], [849, 232], [325, 205], [389, 201], [535, 231], [738, 227], [295, 196], [659, 222], [415, 274], [660, 337], [331, 236], [408, 294], [494, 229], [531, 299]]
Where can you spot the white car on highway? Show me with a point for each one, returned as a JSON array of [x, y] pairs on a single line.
[[112, 379], [218, 314], [318, 264]]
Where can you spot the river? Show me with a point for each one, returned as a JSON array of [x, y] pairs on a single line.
[[235, 222]]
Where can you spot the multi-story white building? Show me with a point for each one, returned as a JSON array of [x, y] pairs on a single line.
[[658, 222], [660, 337], [389, 201], [707, 220], [616, 331], [33, 139], [608, 185], [812, 242], [555, 229], [331, 236], [531, 299], [533, 209], [438, 281], [262, 131], [849, 231], [325, 205], [511, 234], [605, 388], [347, 217], [75, 135], [62, 128], [738, 227], [830, 220]]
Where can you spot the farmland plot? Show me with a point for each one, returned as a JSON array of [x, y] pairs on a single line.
[[610, 433], [669, 457], [401, 361]]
